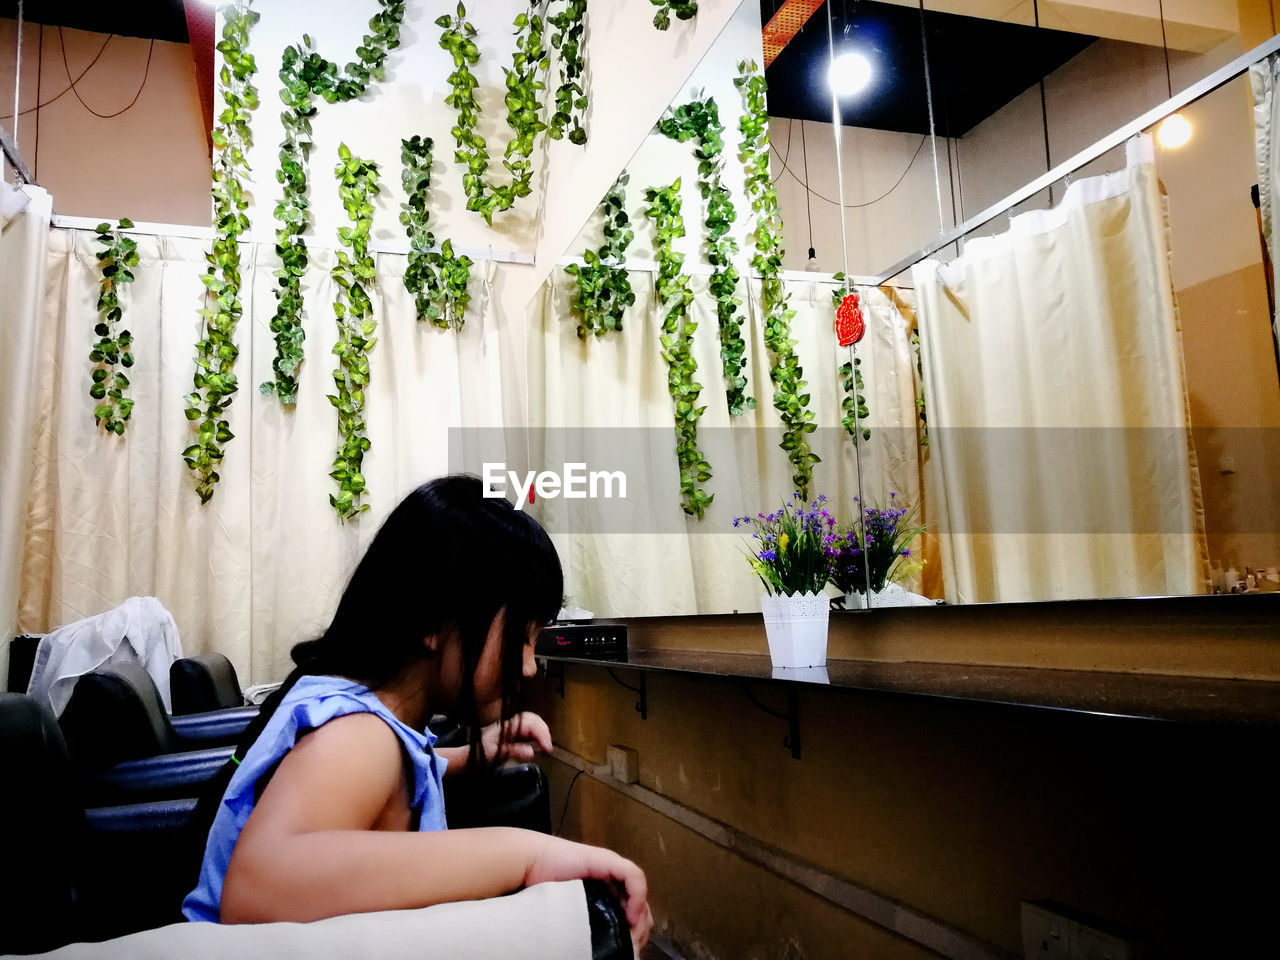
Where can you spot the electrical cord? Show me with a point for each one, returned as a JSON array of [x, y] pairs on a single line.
[[568, 793], [854, 206], [106, 116], [66, 90]]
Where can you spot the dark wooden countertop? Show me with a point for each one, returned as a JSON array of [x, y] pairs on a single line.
[[1152, 697]]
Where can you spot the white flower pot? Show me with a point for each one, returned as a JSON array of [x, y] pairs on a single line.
[[796, 627], [893, 595]]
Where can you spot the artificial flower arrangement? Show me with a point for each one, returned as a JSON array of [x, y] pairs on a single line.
[[874, 549], [797, 550], [789, 548]]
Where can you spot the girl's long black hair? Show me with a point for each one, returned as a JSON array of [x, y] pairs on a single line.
[[445, 562]]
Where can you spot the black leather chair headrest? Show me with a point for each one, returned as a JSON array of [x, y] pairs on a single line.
[[115, 714], [203, 683]]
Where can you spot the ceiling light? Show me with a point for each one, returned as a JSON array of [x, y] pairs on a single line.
[[849, 73], [1174, 132]]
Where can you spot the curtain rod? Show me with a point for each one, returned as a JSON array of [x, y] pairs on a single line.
[[206, 233], [704, 269], [1193, 93]]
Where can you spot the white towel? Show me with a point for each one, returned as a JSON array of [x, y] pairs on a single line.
[[140, 631]]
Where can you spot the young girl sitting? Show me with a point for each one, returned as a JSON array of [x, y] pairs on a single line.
[[333, 802]]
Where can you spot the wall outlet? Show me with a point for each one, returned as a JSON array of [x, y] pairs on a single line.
[[1051, 931], [624, 764]]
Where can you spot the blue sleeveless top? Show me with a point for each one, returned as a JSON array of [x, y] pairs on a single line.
[[313, 701]]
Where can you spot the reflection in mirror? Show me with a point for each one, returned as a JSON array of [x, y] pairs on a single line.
[[1056, 450]]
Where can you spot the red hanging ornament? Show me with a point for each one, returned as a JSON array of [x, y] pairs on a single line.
[[849, 325]]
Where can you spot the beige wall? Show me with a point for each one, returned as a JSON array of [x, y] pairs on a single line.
[[151, 163]]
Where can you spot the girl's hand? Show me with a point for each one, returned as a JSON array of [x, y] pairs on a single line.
[[525, 733], [561, 859]]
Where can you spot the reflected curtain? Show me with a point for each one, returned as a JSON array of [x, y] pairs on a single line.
[[1266, 107], [260, 566], [1061, 462], [24, 244], [619, 382]]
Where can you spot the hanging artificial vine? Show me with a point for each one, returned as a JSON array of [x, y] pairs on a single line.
[[791, 404], [920, 405], [437, 278], [604, 289], [683, 9], [354, 273], [571, 96], [215, 380], [677, 345], [700, 119], [117, 254], [523, 109], [307, 75]]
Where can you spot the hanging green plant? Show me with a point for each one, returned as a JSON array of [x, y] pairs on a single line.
[[785, 371], [571, 96], [116, 256], [307, 75], [215, 380], [438, 279], [523, 109], [677, 346], [700, 120], [920, 406], [683, 10], [354, 275], [604, 288]]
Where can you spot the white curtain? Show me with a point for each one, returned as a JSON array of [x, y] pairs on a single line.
[[260, 566], [619, 382], [23, 251], [1061, 462], [1266, 107]]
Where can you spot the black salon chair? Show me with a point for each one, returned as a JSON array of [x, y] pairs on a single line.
[[115, 714], [22, 658], [125, 748], [72, 874], [204, 683]]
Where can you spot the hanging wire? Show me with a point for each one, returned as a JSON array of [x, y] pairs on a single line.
[[856, 206], [67, 89], [772, 146], [808, 209], [35, 160], [17, 77], [1044, 110], [105, 116], [844, 245], [1164, 42], [933, 135]]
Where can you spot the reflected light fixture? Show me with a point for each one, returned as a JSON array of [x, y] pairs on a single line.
[[1175, 131], [849, 74]]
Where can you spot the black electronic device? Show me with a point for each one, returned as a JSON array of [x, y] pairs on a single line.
[[606, 641]]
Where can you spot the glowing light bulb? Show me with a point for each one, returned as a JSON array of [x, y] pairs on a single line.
[[848, 74], [1175, 131]]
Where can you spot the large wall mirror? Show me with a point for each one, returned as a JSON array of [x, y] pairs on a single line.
[[1076, 394]]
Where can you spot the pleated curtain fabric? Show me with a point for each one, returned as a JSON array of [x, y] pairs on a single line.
[[619, 381], [24, 244], [1060, 459], [261, 566]]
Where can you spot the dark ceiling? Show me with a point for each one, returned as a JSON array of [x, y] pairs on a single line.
[[151, 19], [977, 66]]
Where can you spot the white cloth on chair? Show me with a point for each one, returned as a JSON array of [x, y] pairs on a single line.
[[139, 631]]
